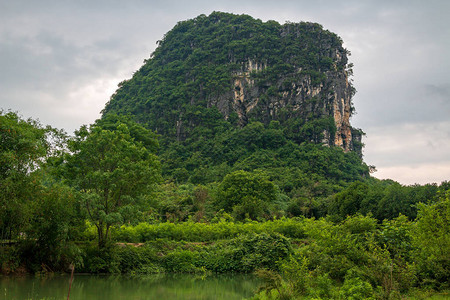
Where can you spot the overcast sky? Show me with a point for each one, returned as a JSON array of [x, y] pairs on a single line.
[[60, 61]]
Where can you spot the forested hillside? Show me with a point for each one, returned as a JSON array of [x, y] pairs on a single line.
[[228, 92], [247, 70], [229, 150]]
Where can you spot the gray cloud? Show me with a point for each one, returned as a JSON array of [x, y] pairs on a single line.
[[439, 92], [61, 60]]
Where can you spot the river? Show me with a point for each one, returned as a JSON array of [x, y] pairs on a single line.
[[89, 287]]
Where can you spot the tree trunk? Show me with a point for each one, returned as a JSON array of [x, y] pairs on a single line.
[[101, 238]]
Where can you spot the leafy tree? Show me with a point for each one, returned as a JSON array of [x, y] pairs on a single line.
[[54, 224], [396, 200], [348, 202], [138, 132], [114, 173], [431, 238], [247, 194], [24, 145]]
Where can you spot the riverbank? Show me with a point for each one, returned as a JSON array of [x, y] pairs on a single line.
[[294, 258]]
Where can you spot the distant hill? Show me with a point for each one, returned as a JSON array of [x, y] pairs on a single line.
[[228, 92]]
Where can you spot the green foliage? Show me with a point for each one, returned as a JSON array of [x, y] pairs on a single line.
[[262, 250], [431, 238], [257, 147], [196, 60], [295, 282], [332, 249], [383, 199], [247, 195], [355, 288], [203, 232], [182, 91], [138, 132], [113, 173], [53, 226], [348, 202], [10, 259], [313, 131], [352, 253], [24, 145], [396, 235], [37, 215], [359, 225], [183, 202], [297, 275], [181, 261], [272, 281], [100, 260], [246, 253]]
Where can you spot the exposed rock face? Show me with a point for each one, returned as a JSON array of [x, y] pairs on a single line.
[[302, 99]]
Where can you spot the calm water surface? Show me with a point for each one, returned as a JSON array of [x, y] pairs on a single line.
[[88, 287]]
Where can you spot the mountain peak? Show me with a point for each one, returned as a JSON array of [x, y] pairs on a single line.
[[248, 70]]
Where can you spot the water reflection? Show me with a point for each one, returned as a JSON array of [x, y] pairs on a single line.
[[88, 287]]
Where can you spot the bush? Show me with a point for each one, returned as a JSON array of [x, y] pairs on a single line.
[[203, 232], [9, 259], [138, 260], [105, 260], [245, 253], [181, 261], [261, 250], [431, 238], [354, 288]]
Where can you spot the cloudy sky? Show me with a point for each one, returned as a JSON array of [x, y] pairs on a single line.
[[60, 61]]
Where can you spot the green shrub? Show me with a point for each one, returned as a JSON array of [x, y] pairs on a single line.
[[9, 259], [202, 232], [181, 261], [245, 253], [355, 288], [431, 238], [221, 258], [359, 224], [331, 248], [296, 274], [138, 260], [105, 260], [396, 236], [261, 250]]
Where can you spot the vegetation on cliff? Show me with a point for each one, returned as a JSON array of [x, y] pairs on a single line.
[[227, 93], [177, 90]]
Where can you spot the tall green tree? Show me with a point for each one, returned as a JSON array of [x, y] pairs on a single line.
[[431, 239], [24, 145], [348, 202], [113, 171], [53, 226]]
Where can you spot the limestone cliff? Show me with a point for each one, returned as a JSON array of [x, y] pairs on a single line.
[[295, 74], [301, 98]]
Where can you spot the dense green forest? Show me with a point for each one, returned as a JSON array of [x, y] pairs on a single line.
[[97, 200], [135, 193]]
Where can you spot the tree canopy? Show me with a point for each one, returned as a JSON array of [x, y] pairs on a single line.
[[24, 145], [113, 171]]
